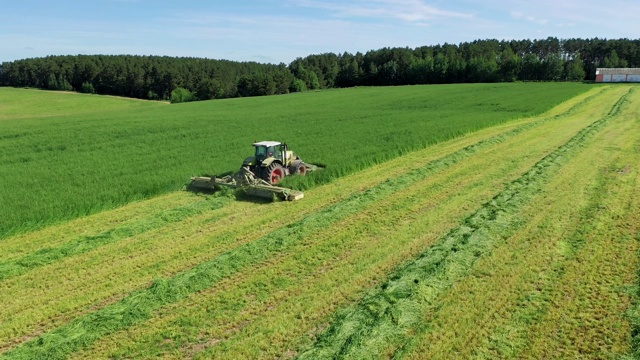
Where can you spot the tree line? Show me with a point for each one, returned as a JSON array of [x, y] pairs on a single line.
[[188, 79]]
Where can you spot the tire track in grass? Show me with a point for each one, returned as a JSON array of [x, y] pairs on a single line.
[[386, 318], [140, 304]]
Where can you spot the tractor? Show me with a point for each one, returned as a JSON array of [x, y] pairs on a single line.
[[273, 161], [260, 173]]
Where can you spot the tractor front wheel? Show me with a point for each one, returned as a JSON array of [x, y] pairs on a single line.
[[274, 173]]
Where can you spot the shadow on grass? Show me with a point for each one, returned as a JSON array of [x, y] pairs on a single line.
[[237, 194]]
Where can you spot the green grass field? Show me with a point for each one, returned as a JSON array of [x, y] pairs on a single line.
[[65, 155], [517, 240]]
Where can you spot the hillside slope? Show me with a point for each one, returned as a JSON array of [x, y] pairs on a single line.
[[476, 246], [66, 155]]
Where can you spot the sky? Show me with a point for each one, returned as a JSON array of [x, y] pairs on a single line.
[[271, 31]]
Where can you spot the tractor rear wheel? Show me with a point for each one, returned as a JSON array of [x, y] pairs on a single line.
[[298, 168], [274, 173]]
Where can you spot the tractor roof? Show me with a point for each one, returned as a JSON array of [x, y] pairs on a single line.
[[267, 143]]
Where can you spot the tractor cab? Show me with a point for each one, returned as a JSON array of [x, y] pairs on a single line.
[[267, 149]]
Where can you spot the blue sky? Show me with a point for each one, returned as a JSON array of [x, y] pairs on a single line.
[[279, 31]]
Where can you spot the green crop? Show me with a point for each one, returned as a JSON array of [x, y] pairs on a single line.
[[478, 246], [389, 314], [67, 155]]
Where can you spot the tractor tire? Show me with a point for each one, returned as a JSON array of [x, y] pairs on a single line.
[[298, 168], [273, 174]]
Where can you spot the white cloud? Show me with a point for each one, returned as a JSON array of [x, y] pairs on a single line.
[[280, 31], [411, 11]]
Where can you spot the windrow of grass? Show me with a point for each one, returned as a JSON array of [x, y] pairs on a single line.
[[140, 305], [94, 278], [555, 289], [54, 236], [86, 243], [267, 309], [385, 319], [587, 305], [67, 156], [81, 282], [47, 254]]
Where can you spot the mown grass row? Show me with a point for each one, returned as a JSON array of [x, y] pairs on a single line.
[[584, 311], [517, 302], [86, 243], [140, 305], [53, 236], [239, 315], [159, 294], [47, 255], [386, 317], [226, 308], [64, 166]]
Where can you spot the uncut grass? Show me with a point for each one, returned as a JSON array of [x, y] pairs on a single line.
[[339, 237], [385, 319], [489, 313], [64, 166], [386, 172], [44, 104]]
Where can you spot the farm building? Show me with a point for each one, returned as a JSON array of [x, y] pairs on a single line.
[[618, 75]]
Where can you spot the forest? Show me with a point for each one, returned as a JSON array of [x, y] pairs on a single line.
[[188, 79]]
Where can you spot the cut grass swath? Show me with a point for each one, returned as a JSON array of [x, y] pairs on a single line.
[[141, 304], [82, 244], [223, 307], [384, 319], [500, 310]]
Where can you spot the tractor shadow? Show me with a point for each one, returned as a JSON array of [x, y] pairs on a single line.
[[236, 194]]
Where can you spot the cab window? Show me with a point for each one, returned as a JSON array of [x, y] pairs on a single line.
[[261, 152]]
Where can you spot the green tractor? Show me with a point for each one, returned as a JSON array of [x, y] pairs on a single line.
[[273, 161], [259, 174]]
